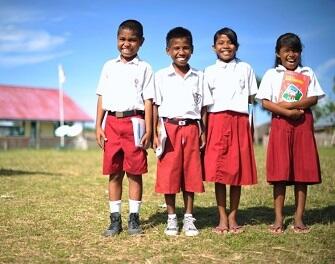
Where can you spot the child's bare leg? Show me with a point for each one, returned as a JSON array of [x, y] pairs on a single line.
[[235, 194], [135, 187], [188, 202], [115, 186], [220, 194], [279, 191], [300, 192], [170, 200]]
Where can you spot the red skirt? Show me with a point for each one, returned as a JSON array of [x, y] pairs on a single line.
[[292, 155], [229, 154]]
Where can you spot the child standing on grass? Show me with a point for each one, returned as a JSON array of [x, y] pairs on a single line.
[[180, 100], [229, 156], [125, 90], [292, 156]]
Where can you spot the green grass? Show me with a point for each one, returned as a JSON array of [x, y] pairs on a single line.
[[53, 209]]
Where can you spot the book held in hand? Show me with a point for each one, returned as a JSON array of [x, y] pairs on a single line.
[[138, 129], [161, 137], [294, 87]]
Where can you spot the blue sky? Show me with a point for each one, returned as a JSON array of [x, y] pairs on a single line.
[[37, 35]]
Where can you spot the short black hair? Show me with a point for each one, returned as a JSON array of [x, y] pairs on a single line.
[[179, 32], [133, 25], [289, 40], [231, 34]]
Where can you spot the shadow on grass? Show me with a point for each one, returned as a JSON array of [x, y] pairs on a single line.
[[10, 172], [207, 216]]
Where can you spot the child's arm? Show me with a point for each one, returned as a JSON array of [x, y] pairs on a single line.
[[277, 109], [99, 132], [145, 141], [302, 104], [155, 142], [203, 127]]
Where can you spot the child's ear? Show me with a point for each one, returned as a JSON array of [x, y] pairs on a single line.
[[213, 48], [142, 41], [277, 55]]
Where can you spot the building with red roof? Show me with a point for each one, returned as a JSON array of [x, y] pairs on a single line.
[[29, 116]]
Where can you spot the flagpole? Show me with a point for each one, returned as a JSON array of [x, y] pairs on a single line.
[[61, 81]]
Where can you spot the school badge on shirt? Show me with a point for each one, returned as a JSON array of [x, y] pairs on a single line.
[[197, 98]]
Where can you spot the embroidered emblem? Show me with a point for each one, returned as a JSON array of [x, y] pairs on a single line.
[[197, 98]]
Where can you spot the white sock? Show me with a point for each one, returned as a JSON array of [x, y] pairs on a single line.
[[172, 216], [187, 215], [134, 206], [115, 206]]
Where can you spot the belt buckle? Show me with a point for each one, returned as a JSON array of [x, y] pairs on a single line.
[[181, 123], [118, 114]]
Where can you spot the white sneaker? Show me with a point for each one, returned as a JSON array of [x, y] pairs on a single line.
[[172, 227], [189, 227]]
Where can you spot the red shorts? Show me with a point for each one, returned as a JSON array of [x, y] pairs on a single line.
[[292, 155], [229, 155], [179, 168], [120, 152]]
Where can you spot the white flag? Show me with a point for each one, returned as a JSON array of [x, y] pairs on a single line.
[[61, 74]]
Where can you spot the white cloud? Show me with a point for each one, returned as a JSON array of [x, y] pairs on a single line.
[[23, 41], [14, 39]]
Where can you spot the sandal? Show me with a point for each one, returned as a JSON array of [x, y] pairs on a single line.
[[221, 230], [236, 229], [300, 229], [276, 229]]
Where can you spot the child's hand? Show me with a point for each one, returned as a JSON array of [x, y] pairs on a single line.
[[286, 105], [100, 137], [202, 141], [295, 114], [155, 143], [146, 140]]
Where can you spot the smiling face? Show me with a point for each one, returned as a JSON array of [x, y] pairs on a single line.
[[180, 51], [289, 58], [128, 44], [224, 48]]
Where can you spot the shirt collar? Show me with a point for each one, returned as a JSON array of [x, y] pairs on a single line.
[[299, 69], [135, 61], [231, 64], [171, 71]]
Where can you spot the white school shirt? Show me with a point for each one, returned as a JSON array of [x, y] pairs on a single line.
[[271, 83], [230, 84], [178, 96], [125, 86]]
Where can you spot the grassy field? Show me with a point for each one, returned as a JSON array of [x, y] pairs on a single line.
[[53, 209]]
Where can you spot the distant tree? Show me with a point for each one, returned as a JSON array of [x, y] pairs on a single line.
[[322, 110]]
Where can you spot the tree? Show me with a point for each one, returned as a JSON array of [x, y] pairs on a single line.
[[323, 110]]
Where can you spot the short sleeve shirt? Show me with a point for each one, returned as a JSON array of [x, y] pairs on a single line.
[[180, 96], [230, 84], [271, 83], [125, 86]]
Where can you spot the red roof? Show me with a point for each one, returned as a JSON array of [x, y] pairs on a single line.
[[28, 103]]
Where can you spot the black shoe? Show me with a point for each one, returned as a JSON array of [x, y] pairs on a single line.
[[134, 227], [116, 225]]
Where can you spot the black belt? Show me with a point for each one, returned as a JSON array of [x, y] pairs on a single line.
[[181, 122], [126, 113]]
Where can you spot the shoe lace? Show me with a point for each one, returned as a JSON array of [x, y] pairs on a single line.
[[115, 222], [189, 223], [172, 223], [134, 220]]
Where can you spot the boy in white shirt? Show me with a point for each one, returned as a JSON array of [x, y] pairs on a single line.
[[180, 100], [125, 90]]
